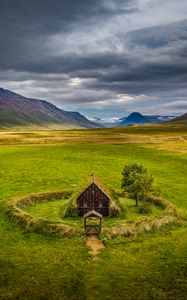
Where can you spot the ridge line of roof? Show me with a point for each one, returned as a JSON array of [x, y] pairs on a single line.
[[92, 212]]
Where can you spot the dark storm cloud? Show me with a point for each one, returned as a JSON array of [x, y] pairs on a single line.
[[143, 70], [140, 70], [159, 36], [35, 17], [90, 51], [25, 25]]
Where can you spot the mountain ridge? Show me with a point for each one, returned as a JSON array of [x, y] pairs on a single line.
[[138, 118], [17, 110], [116, 122], [182, 118]]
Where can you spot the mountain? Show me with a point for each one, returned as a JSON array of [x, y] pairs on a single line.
[[17, 110], [134, 118], [180, 119], [82, 120], [137, 118]]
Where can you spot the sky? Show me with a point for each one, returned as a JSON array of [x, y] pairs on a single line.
[[103, 58]]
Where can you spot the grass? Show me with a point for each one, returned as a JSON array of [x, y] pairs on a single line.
[[54, 167], [54, 211], [50, 210], [32, 266], [153, 266]]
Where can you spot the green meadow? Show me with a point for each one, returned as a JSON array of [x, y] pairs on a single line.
[[149, 266]]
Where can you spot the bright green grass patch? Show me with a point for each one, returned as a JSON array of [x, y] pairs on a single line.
[[44, 168], [54, 211], [130, 211], [50, 210]]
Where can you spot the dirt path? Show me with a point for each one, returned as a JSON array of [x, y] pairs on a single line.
[[95, 244], [93, 279]]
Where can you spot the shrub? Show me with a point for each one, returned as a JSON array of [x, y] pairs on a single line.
[[145, 208], [114, 211]]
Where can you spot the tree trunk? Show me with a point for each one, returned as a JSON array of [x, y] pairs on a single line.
[[136, 201]]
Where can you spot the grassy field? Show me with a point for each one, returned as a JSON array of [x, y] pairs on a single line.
[[150, 266]]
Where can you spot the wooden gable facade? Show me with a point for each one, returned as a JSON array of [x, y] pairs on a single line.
[[93, 198]]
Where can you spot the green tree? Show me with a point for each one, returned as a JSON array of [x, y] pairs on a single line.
[[136, 182]]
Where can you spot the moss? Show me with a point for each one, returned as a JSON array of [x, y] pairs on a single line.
[[71, 210]]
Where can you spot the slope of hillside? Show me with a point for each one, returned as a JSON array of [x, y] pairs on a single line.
[[82, 120], [180, 119], [16, 110]]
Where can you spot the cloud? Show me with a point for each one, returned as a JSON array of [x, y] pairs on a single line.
[[159, 36], [88, 55]]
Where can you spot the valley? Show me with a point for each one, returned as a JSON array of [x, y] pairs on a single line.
[[152, 263]]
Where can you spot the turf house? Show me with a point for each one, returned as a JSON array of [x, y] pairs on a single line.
[[93, 197]]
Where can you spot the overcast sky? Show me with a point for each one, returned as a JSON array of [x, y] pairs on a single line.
[[100, 57]]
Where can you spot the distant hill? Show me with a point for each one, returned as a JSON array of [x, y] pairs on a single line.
[[134, 118], [181, 119], [16, 110], [137, 118]]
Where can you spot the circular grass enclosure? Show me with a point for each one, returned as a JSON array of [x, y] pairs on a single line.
[[169, 215], [56, 211], [40, 225], [74, 227]]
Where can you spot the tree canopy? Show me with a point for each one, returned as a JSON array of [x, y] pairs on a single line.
[[136, 181]]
